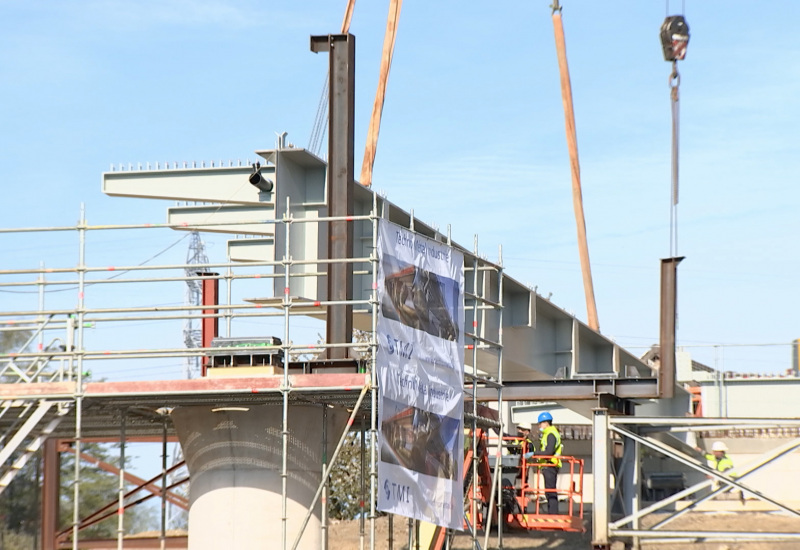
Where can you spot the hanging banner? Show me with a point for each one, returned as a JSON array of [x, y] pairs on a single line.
[[420, 362]]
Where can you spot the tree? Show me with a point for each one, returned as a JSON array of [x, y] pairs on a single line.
[[20, 502], [344, 494], [97, 489], [344, 489]]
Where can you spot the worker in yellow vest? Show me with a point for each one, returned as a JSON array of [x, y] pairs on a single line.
[[549, 446], [718, 458]]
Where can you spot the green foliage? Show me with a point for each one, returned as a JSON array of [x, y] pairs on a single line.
[[98, 488], [20, 503], [13, 540], [344, 494]]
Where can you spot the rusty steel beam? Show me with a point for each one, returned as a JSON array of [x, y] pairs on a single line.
[[131, 543], [196, 386], [209, 325], [341, 135], [669, 294], [149, 486], [51, 481]]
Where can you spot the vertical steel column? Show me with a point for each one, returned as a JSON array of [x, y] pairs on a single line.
[[341, 48], [669, 288], [51, 477], [209, 325], [81, 312], [121, 491], [600, 472]]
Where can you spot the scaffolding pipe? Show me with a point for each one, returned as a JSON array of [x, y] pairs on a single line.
[[76, 494], [324, 480], [121, 490], [664, 449], [183, 266], [473, 526], [329, 466], [499, 464], [288, 219], [163, 533], [362, 486], [747, 471], [183, 226], [713, 535], [373, 469]]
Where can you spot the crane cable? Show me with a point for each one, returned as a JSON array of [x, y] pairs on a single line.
[[674, 84], [674, 40]]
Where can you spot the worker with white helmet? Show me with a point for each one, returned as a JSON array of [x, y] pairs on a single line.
[[524, 441], [718, 458]]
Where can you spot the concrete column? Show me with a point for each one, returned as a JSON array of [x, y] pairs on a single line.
[[234, 459]]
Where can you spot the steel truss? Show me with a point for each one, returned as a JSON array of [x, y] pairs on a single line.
[[46, 394], [638, 432]]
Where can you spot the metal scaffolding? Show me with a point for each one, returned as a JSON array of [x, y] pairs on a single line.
[[636, 433], [48, 392]]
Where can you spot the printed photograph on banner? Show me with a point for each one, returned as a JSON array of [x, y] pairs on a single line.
[[419, 299], [419, 440]]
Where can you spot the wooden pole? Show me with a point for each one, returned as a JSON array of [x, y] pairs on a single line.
[[572, 145], [348, 15], [389, 38]]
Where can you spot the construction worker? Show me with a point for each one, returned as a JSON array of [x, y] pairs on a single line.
[[523, 445], [718, 458], [550, 446], [524, 441]]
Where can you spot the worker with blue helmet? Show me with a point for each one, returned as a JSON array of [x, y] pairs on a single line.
[[550, 446]]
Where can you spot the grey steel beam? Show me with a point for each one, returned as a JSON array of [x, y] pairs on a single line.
[[341, 48], [702, 421], [219, 184], [710, 535], [235, 219], [574, 389], [666, 370]]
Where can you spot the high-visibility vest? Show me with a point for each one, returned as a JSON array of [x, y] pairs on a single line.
[[559, 447], [721, 465]]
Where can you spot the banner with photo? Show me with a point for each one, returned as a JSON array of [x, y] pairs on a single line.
[[420, 362]]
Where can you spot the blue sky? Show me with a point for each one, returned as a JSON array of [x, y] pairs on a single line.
[[472, 136]]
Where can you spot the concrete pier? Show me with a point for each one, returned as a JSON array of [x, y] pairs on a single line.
[[234, 457]]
